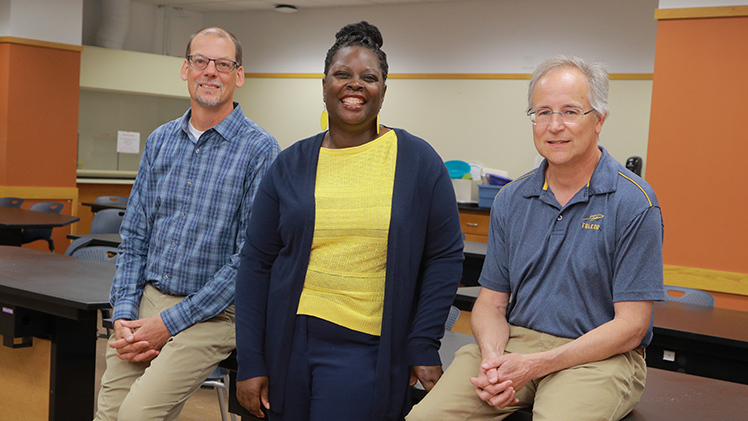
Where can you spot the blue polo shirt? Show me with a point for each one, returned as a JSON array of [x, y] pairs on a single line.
[[566, 266]]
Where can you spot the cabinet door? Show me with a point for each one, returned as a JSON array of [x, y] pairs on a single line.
[[475, 225]]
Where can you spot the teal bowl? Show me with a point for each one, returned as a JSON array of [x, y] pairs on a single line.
[[457, 169]]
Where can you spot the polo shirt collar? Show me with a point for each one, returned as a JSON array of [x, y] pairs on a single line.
[[604, 178]]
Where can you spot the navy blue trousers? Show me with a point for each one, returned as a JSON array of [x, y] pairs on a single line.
[[331, 373]]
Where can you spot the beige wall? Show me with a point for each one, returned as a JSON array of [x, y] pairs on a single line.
[[471, 120], [479, 120], [103, 114]]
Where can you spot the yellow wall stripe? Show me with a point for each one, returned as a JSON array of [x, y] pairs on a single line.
[[43, 193], [37, 43], [702, 12], [707, 279], [443, 76]]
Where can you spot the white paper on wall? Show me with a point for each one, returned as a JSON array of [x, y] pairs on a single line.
[[128, 142]]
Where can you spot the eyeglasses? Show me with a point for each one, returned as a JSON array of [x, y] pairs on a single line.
[[568, 116], [223, 65]]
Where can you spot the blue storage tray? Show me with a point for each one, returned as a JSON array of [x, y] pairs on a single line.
[[486, 194]]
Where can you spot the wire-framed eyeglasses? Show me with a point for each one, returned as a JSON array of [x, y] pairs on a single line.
[[568, 115], [200, 62]]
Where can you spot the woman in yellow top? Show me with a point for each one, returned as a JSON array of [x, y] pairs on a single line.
[[352, 259]]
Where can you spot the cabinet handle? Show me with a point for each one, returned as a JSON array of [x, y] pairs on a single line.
[[471, 224]]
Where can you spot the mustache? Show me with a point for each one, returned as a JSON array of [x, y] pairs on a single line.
[[207, 81]]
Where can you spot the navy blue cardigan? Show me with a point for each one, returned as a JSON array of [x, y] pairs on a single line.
[[424, 266]]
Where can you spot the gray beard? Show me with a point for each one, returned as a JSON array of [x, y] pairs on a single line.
[[206, 103]]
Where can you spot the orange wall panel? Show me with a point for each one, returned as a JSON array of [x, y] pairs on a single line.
[[4, 64], [41, 122], [697, 142]]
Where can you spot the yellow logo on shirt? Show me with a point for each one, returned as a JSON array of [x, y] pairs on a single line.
[[587, 222]]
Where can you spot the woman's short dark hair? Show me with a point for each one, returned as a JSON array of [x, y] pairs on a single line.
[[362, 34]]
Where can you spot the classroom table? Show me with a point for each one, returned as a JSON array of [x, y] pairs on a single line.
[[48, 324], [475, 254], [107, 240], [14, 220], [699, 340], [465, 297], [95, 207]]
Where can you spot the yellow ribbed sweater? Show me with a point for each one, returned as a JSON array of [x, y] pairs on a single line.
[[353, 198]]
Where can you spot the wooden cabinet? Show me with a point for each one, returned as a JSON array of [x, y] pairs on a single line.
[[475, 225]]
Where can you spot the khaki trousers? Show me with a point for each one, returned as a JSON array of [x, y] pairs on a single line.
[[157, 390], [603, 390]]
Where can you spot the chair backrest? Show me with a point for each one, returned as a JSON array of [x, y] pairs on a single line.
[[76, 244], [29, 235], [49, 207], [106, 200], [98, 253], [107, 221], [11, 202], [690, 296], [454, 314]]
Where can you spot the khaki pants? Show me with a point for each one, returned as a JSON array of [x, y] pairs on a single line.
[[157, 390], [603, 390]]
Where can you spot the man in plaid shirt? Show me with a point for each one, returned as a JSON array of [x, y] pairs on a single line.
[[185, 224]]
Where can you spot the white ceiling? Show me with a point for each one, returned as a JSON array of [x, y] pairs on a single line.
[[243, 5]]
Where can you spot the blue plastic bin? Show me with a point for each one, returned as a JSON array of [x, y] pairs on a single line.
[[486, 194]]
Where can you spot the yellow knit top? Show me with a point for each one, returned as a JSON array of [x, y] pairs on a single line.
[[345, 279]]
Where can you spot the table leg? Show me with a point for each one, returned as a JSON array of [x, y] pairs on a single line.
[[73, 369], [10, 236]]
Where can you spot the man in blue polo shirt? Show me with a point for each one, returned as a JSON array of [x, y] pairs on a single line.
[[573, 265]]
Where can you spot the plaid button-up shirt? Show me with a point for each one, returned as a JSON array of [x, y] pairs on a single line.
[[187, 215]]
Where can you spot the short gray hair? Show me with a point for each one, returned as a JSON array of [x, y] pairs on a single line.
[[220, 32], [595, 72]]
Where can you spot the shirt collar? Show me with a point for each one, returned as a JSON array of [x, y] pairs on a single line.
[[604, 178], [228, 128]]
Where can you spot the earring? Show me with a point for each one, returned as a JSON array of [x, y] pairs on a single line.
[[323, 118], [377, 124]]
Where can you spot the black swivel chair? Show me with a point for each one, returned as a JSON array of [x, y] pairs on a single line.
[[689, 296], [11, 202], [30, 235], [107, 221], [100, 254], [109, 200]]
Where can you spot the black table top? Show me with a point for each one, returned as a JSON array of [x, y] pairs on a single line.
[[671, 396], [24, 218], [472, 207], [52, 283], [109, 240], [95, 207], [717, 325]]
